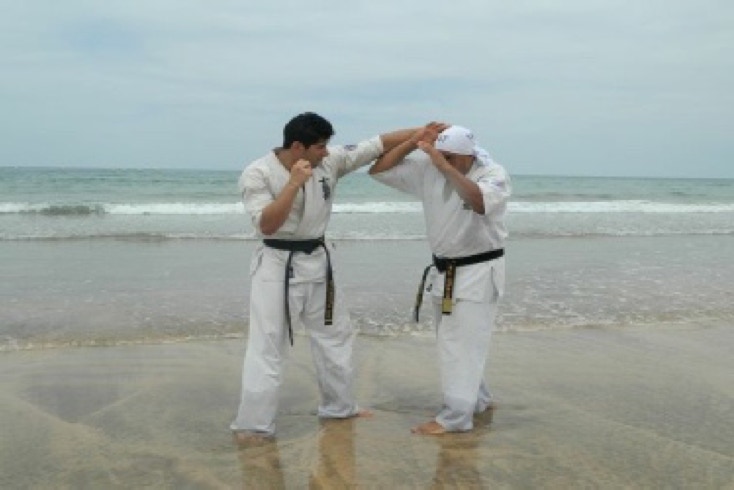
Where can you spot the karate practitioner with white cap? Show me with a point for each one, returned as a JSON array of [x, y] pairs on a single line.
[[288, 194], [464, 195]]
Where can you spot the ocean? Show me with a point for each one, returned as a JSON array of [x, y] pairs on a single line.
[[109, 256]]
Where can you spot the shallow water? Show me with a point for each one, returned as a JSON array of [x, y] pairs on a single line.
[[95, 292]]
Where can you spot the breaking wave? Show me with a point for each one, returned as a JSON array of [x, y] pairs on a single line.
[[372, 207]]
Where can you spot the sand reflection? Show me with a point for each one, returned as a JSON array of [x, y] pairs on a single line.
[[334, 462], [261, 467], [457, 463], [335, 467]]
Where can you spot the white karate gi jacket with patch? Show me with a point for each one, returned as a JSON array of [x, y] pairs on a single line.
[[454, 230]]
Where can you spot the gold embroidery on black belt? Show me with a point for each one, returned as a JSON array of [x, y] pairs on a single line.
[[448, 288], [448, 266]]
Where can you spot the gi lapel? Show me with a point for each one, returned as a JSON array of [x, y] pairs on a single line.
[[316, 209]]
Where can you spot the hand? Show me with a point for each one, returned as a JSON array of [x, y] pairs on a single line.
[[300, 172], [438, 126], [436, 157], [425, 134], [433, 129], [427, 147]]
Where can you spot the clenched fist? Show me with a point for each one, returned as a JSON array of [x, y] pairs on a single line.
[[300, 172]]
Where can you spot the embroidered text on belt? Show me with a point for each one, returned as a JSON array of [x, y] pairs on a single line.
[[448, 266], [307, 247]]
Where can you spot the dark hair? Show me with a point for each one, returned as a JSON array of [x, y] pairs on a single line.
[[308, 128]]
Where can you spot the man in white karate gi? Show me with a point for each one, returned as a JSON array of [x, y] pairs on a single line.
[[464, 195], [288, 194]]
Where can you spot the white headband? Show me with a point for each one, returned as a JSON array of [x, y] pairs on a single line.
[[457, 140]]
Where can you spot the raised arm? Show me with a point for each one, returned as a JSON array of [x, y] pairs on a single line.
[[395, 138], [467, 189], [401, 144]]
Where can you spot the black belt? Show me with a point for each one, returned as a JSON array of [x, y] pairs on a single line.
[[307, 247], [449, 265]]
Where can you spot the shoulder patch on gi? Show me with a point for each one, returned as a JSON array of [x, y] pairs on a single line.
[[350, 147]]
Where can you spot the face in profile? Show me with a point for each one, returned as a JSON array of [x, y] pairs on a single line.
[[314, 153], [462, 163]]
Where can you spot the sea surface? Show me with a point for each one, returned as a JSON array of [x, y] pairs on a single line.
[[98, 256]]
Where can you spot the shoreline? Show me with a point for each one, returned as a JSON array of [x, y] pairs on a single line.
[[404, 332], [577, 408], [400, 333]]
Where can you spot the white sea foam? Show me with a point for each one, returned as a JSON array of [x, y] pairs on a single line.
[[631, 206], [238, 208], [20, 207], [175, 208], [371, 207], [378, 207]]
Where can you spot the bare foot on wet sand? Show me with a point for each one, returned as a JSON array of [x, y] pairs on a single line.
[[431, 428], [361, 414], [243, 438], [364, 414]]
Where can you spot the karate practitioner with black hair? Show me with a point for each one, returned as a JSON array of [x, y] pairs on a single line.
[[288, 193]]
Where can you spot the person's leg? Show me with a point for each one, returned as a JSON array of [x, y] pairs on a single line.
[[463, 341], [484, 398], [432, 427], [266, 349], [331, 348]]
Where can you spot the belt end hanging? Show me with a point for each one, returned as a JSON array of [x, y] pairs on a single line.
[[329, 308], [448, 288], [446, 306]]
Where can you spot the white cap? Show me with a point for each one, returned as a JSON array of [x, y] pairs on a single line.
[[457, 140]]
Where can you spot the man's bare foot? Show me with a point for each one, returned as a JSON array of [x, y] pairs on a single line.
[[364, 414], [431, 428], [491, 406], [244, 438], [361, 414]]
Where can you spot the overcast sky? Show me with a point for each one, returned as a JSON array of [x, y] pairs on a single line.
[[561, 87]]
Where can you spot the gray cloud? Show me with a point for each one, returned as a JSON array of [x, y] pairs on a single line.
[[590, 88]]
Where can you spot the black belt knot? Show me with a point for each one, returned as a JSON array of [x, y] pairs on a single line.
[[307, 247], [448, 266], [442, 263]]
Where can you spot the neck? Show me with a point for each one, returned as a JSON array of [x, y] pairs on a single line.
[[285, 157]]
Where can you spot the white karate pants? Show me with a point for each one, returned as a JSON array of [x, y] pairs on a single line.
[[463, 346], [268, 346]]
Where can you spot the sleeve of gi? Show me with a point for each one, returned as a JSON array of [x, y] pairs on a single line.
[[350, 157], [496, 189], [407, 176], [256, 193]]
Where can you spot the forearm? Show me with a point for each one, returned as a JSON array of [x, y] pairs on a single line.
[[275, 213], [391, 158], [394, 138], [467, 189]]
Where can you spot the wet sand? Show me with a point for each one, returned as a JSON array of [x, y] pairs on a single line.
[[644, 407]]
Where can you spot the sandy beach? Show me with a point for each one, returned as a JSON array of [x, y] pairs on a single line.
[[580, 408]]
